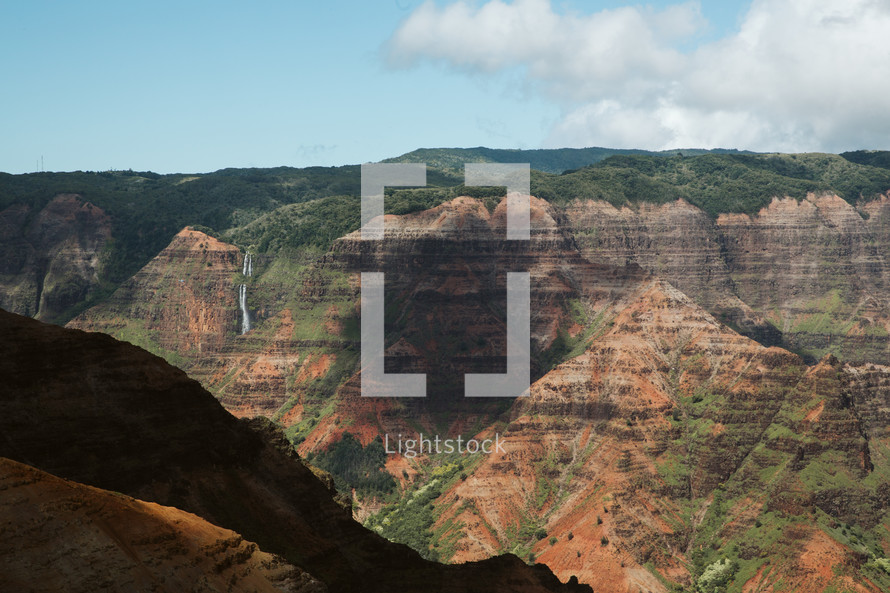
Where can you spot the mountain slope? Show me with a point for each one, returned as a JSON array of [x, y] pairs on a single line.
[[52, 257], [671, 445], [811, 275], [64, 536], [86, 407], [181, 305], [659, 448]]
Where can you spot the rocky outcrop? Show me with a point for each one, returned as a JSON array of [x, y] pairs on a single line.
[[818, 271], [183, 304], [51, 260], [869, 391], [59, 535], [760, 275], [811, 275], [446, 269], [445, 275], [89, 408], [676, 241]]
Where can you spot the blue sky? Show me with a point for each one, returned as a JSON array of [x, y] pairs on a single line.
[[199, 86]]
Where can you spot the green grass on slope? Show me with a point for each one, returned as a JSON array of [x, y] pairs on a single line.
[[409, 519], [318, 223], [764, 512]]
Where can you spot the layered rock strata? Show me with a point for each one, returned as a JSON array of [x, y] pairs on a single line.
[[51, 260], [811, 274]]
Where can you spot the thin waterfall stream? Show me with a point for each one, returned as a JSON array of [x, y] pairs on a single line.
[[246, 270]]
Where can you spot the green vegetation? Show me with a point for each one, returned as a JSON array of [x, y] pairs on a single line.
[[311, 224], [834, 316], [318, 223], [566, 346], [873, 158], [147, 209], [410, 520], [522, 537], [135, 333], [355, 466], [412, 516], [715, 183], [716, 576], [554, 160], [773, 496]]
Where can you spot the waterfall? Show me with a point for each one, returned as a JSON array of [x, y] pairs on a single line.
[[246, 270], [245, 314]]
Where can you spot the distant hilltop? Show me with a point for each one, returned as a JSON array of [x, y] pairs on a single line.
[[548, 160]]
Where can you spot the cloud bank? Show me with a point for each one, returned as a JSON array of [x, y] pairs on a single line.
[[798, 75]]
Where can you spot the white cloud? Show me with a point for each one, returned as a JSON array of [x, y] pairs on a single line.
[[797, 75]]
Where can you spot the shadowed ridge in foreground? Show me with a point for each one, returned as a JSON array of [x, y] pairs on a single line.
[[63, 536], [89, 408]]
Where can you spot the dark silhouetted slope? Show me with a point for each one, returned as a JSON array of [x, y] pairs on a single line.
[[89, 408]]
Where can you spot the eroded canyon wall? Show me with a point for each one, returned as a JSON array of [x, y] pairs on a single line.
[[810, 275]]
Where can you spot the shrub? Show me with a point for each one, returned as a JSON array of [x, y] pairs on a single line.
[[717, 575]]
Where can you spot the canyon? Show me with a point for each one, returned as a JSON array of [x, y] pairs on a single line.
[[709, 391], [655, 438]]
